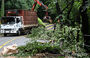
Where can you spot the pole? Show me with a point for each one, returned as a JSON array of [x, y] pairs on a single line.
[[2, 8]]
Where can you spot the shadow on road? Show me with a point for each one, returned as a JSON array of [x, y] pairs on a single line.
[[11, 35]]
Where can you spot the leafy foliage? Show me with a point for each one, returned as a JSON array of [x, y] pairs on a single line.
[[16, 4], [35, 47], [66, 38]]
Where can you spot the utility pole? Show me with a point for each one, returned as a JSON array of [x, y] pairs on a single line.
[[2, 8]]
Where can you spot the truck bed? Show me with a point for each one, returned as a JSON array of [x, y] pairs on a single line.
[[29, 17]]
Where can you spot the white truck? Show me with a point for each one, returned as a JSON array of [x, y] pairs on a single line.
[[18, 22]]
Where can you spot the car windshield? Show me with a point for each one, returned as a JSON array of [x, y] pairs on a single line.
[[8, 20]]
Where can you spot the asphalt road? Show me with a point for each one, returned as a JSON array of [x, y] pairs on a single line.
[[9, 40]]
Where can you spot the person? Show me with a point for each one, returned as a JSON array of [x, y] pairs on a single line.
[[48, 23], [0, 21], [47, 19], [59, 19]]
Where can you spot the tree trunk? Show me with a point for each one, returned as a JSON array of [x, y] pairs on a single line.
[[83, 13], [70, 10]]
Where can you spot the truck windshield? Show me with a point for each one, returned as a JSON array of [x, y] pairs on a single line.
[[8, 20]]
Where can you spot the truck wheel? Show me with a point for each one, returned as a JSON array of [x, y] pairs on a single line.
[[5, 34], [27, 32], [19, 33]]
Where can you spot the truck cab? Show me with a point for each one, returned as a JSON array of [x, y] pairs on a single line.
[[11, 25], [18, 22]]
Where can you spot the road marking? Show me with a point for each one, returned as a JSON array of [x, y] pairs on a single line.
[[9, 41]]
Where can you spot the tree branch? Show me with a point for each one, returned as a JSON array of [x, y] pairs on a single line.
[[70, 9]]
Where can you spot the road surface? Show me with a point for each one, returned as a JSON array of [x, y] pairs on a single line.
[[9, 40]]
